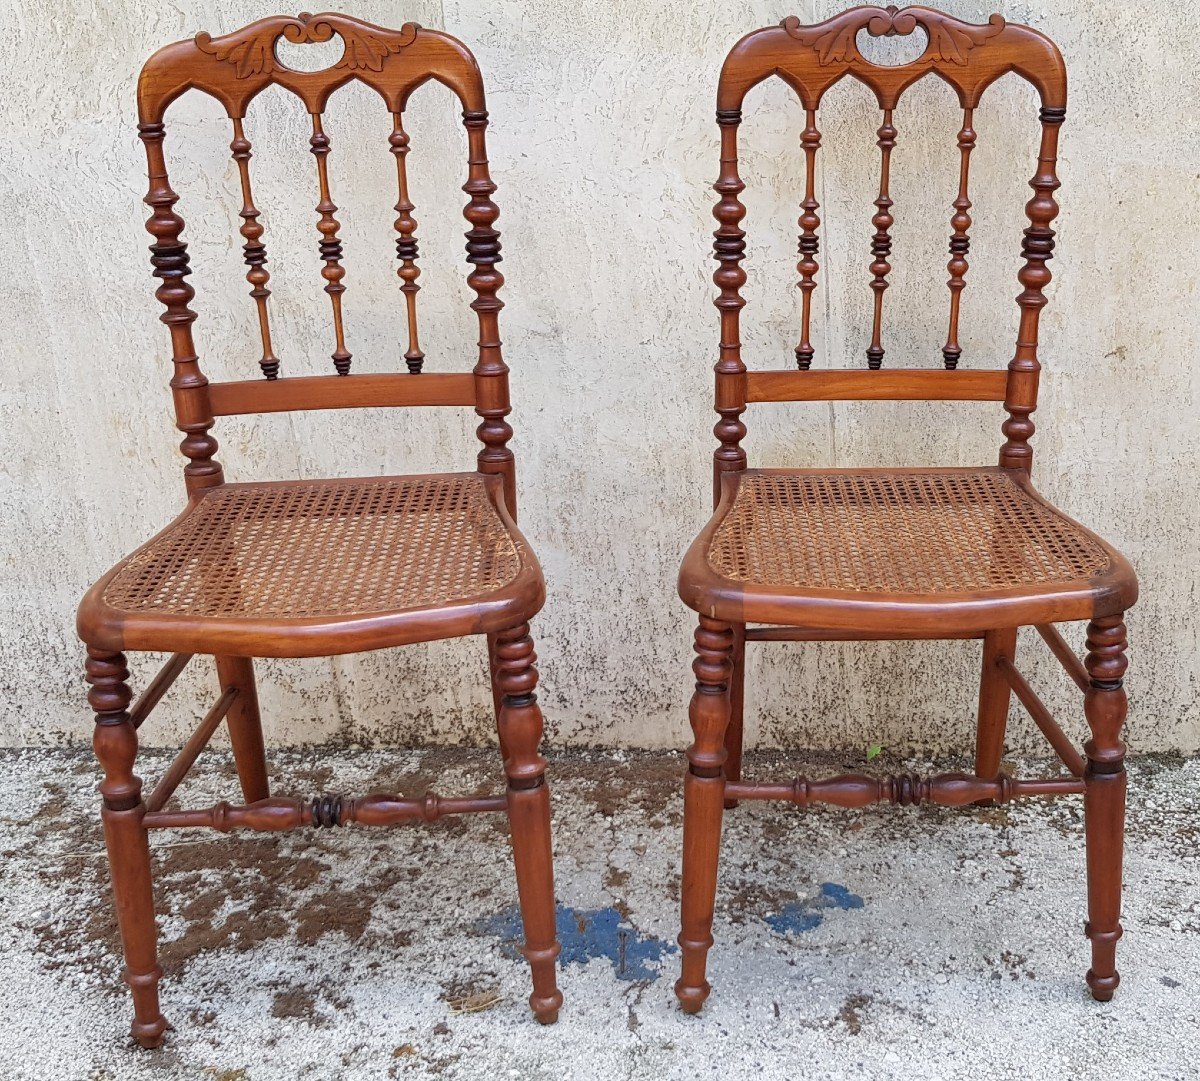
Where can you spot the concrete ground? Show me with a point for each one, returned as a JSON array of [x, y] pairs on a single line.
[[888, 943]]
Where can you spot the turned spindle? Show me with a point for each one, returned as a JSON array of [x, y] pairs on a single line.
[[1036, 249], [406, 243], [169, 257], [483, 253], [330, 246], [254, 251], [960, 241], [881, 241], [729, 249], [810, 243]]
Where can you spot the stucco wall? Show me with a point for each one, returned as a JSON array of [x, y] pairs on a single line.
[[604, 149]]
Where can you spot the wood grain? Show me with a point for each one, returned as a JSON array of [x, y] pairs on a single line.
[[331, 392], [856, 385]]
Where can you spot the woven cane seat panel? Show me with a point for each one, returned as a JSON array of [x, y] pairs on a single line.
[[917, 533], [324, 548]]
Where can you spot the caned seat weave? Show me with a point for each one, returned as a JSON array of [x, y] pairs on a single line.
[[934, 532], [323, 549]]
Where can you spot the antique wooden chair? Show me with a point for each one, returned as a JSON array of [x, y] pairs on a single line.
[[319, 567], [871, 554]]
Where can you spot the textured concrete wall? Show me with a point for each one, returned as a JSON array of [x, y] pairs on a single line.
[[604, 148]]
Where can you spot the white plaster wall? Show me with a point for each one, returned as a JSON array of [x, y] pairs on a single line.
[[604, 148]]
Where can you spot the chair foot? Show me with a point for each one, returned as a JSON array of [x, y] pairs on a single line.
[[692, 997], [546, 1000], [150, 1034], [545, 1010], [1103, 987]]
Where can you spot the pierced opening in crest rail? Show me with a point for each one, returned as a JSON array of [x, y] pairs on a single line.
[[309, 55]]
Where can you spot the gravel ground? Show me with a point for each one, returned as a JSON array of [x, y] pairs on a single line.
[[888, 943]]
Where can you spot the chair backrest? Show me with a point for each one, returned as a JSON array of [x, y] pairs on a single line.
[[810, 59], [234, 69]]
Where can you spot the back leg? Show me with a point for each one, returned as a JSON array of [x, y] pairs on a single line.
[[245, 726], [994, 696]]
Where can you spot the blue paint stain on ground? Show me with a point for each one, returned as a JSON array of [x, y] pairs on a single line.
[[799, 916], [586, 934]]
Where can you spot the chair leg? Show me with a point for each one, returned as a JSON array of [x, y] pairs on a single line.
[[703, 801], [520, 725], [737, 696], [1104, 798], [115, 743], [994, 696], [245, 726]]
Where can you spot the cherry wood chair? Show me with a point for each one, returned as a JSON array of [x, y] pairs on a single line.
[[319, 567], [869, 554]]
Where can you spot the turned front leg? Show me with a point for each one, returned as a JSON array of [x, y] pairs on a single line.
[[1105, 705], [703, 806], [115, 742], [520, 726]]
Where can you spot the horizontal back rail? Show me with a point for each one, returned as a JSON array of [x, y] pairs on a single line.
[[896, 385], [341, 392]]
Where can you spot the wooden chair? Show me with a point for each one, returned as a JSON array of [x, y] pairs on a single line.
[[871, 554], [323, 567]]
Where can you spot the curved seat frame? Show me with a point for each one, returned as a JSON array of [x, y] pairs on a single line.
[[102, 624], [933, 615], [234, 69], [811, 59]]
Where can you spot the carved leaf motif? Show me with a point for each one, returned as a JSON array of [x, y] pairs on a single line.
[[833, 46], [836, 46], [366, 47], [950, 40], [367, 50], [952, 43], [253, 55]]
